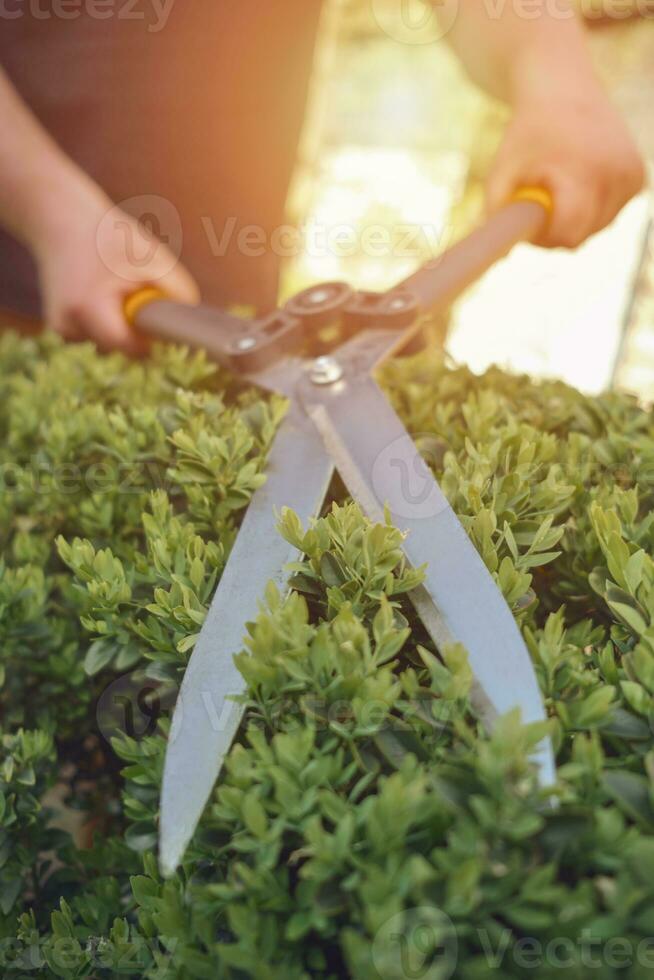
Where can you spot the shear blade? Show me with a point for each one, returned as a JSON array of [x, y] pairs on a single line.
[[459, 601], [206, 718]]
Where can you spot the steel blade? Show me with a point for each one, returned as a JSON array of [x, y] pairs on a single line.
[[206, 719], [459, 601]]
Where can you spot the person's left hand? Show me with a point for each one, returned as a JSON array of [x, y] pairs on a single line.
[[91, 255]]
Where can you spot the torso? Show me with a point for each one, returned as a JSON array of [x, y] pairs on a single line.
[[202, 109]]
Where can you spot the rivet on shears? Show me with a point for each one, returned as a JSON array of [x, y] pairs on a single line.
[[245, 343], [325, 371]]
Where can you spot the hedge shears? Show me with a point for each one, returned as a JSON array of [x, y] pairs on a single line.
[[319, 351]]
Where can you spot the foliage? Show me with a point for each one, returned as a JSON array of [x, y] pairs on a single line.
[[364, 826]]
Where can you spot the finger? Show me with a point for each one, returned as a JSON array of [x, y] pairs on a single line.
[[65, 326], [180, 285], [501, 184], [609, 208], [105, 323], [505, 180], [577, 211], [577, 204], [167, 272], [619, 186]]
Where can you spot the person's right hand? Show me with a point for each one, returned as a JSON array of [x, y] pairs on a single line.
[[91, 255], [572, 141]]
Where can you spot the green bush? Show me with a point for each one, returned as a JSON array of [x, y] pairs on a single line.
[[364, 826]]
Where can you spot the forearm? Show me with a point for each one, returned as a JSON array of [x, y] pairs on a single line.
[[38, 183], [564, 134], [511, 48]]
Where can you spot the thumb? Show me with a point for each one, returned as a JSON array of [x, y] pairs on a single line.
[[501, 183], [180, 285]]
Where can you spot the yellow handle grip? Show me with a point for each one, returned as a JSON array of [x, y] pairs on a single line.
[[134, 303], [539, 195]]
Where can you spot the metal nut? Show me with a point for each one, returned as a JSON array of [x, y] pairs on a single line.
[[318, 295], [245, 343], [325, 371]]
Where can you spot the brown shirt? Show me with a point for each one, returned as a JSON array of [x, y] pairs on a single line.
[[188, 110]]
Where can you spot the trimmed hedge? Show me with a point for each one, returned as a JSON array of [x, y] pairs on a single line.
[[364, 826]]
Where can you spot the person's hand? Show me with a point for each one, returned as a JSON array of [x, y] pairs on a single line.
[[570, 140], [90, 256]]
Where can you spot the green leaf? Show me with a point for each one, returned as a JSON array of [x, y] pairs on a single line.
[[99, 655], [141, 836], [254, 815], [631, 792]]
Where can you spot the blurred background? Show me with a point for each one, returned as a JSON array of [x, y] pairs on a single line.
[[396, 145]]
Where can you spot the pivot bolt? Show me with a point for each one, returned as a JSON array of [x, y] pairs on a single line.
[[317, 296], [325, 371], [245, 343]]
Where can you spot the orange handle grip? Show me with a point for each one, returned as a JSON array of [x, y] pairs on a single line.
[[134, 302], [539, 195]]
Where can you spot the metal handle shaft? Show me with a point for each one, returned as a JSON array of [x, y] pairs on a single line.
[[231, 340], [443, 279]]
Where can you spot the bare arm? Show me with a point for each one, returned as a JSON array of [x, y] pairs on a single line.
[[77, 237], [32, 169], [565, 134]]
